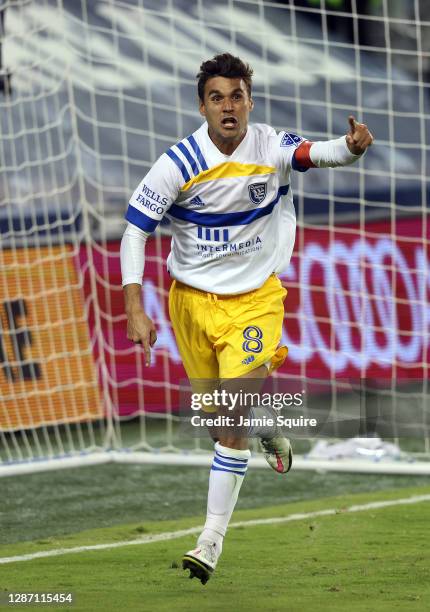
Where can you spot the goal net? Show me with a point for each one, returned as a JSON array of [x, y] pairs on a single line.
[[91, 93]]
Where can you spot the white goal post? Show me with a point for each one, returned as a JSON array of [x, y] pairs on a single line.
[[91, 93]]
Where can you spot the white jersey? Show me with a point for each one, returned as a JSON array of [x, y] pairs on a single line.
[[232, 216]]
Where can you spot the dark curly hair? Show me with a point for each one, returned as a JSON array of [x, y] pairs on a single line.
[[225, 65]]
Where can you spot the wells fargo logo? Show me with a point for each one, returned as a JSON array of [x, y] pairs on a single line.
[[47, 372]]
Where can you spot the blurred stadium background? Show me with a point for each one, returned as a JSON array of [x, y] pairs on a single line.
[[90, 94]]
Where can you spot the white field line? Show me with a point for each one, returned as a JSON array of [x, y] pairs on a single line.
[[173, 535]]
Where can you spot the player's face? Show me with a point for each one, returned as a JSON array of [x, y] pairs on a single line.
[[226, 106]]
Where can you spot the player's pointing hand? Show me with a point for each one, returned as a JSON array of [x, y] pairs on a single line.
[[358, 137], [141, 330]]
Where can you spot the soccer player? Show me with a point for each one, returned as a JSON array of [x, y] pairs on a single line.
[[226, 189]]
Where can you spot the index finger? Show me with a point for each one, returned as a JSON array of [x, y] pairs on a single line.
[[352, 123], [147, 351]]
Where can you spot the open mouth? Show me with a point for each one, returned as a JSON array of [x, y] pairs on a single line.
[[229, 122]]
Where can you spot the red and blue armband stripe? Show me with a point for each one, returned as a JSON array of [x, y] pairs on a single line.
[[301, 157]]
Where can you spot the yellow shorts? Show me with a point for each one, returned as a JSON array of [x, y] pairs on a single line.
[[226, 336]]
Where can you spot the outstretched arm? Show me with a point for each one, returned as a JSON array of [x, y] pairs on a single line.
[[332, 153]]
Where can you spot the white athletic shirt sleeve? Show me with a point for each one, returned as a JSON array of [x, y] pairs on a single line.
[[288, 145], [150, 201], [332, 153], [132, 254], [300, 154], [155, 194]]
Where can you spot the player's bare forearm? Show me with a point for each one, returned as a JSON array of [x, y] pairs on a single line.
[[140, 328], [132, 297], [359, 138]]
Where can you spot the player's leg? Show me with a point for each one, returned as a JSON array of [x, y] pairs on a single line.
[[192, 312], [228, 470], [247, 349], [188, 309], [227, 473]]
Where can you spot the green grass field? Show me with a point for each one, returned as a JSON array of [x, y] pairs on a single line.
[[373, 560]]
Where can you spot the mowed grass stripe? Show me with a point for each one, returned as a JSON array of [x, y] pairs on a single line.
[[173, 535]]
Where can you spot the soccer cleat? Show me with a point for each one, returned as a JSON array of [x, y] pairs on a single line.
[[278, 453], [201, 561]]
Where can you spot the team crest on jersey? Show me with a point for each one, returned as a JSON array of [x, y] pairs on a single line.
[[257, 192], [290, 140]]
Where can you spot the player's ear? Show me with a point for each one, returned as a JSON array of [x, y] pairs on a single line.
[[251, 104], [202, 108]]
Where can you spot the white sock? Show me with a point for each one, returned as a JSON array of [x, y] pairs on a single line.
[[228, 469]]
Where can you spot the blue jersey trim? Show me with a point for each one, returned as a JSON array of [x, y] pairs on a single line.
[[198, 152], [148, 224], [180, 164], [296, 166], [189, 157], [226, 219]]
